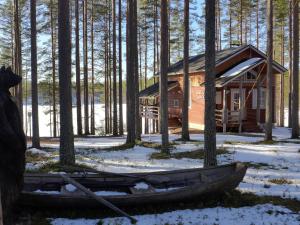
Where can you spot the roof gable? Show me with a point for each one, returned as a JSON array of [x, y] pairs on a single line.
[[197, 63]]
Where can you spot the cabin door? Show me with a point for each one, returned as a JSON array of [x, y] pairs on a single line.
[[235, 102]]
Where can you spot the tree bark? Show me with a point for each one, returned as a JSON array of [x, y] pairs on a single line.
[[67, 156], [295, 73], [130, 75], [138, 125], [115, 106], [78, 85], [163, 82], [281, 110], [18, 57], [269, 94], [257, 24], [34, 87], [290, 60], [186, 86], [85, 70], [121, 132], [93, 71], [210, 89], [53, 58]]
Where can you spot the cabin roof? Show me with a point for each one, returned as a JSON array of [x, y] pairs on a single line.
[[238, 70], [153, 90], [197, 63]]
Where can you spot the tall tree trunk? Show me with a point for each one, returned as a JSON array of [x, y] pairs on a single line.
[[210, 89], [269, 94], [146, 70], [106, 84], [257, 24], [34, 87], [53, 58], [109, 72], [281, 110], [138, 127], [78, 85], [130, 75], [241, 22], [163, 81], [290, 59], [67, 156], [121, 132], [115, 105], [18, 57], [295, 73], [230, 23], [93, 71], [85, 70], [186, 86]]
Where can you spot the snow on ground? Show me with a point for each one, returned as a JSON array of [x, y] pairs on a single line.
[[274, 170], [257, 215]]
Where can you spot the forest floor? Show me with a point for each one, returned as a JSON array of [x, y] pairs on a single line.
[[274, 170]]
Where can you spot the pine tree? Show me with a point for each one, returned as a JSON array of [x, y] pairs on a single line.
[[269, 94], [34, 89], [130, 75], [295, 73], [163, 81], [210, 158], [185, 106], [67, 155]]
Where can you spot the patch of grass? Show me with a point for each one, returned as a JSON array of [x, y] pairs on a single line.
[[280, 181], [259, 165], [160, 155], [238, 143], [31, 158], [155, 145], [118, 148], [197, 154], [189, 141], [57, 167], [272, 142]]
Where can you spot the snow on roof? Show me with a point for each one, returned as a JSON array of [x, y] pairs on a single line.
[[238, 70]]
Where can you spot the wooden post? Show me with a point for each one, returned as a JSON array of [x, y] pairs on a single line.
[[241, 105], [225, 110], [1, 212], [258, 103]]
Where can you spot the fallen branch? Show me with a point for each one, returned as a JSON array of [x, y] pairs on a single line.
[[97, 198]]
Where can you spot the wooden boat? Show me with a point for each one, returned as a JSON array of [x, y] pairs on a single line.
[[168, 186]]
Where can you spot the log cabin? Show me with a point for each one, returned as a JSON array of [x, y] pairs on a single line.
[[240, 91]]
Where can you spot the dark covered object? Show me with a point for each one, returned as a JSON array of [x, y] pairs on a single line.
[[12, 144]]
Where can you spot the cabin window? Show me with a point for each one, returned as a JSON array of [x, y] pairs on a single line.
[[176, 103], [218, 98], [262, 98], [236, 101], [250, 76]]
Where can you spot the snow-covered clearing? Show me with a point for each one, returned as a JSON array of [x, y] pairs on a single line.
[[274, 170], [266, 214]]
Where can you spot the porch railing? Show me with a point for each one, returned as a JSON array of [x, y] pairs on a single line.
[[149, 112], [227, 117]]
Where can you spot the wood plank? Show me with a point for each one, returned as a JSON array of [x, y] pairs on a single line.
[[97, 198]]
